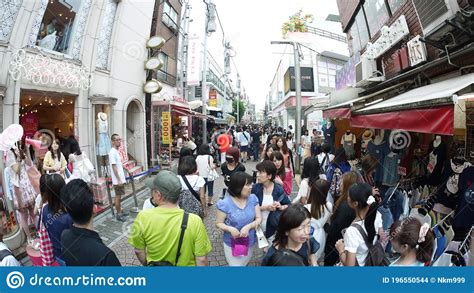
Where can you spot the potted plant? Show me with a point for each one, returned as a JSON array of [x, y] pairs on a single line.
[[297, 23]]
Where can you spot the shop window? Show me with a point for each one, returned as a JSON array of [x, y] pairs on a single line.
[[395, 5], [57, 24], [170, 17], [162, 73], [377, 15]]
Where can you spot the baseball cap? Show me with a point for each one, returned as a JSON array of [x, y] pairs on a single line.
[[167, 183]]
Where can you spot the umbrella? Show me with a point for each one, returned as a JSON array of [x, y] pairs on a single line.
[[10, 136]]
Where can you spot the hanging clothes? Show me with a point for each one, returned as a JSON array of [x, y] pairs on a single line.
[[348, 142], [437, 158], [380, 151], [390, 166], [103, 144]]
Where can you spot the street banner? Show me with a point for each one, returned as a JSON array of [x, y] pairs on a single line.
[[166, 128], [194, 61], [213, 98]]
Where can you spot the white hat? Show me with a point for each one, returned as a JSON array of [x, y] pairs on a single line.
[[102, 116]]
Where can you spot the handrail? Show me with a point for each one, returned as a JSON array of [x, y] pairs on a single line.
[[326, 34]]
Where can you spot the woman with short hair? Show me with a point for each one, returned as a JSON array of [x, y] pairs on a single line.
[[238, 215]]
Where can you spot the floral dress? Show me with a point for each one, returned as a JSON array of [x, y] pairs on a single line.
[[27, 194]]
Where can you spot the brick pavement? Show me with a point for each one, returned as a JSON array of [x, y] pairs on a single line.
[[114, 236]]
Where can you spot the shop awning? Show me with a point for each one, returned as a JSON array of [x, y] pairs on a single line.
[[217, 120], [211, 108], [439, 120], [436, 94], [340, 113], [187, 112]]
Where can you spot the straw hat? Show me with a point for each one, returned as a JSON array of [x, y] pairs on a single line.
[[102, 116], [367, 135]]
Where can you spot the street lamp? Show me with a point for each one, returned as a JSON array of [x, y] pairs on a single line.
[[297, 57]]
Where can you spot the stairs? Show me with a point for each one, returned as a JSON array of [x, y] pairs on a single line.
[[132, 166]]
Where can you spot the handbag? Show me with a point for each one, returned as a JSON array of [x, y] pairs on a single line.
[[213, 175], [165, 263], [262, 240], [190, 201]]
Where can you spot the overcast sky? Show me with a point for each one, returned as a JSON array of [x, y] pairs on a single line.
[[250, 25]]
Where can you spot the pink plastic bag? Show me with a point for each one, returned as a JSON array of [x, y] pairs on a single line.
[[240, 246]]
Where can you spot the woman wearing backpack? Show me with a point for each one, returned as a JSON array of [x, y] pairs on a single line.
[[353, 250], [338, 167], [325, 158]]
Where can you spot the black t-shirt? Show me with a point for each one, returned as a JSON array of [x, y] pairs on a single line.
[[83, 247], [255, 137], [227, 173]]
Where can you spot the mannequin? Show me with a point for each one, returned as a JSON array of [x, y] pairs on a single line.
[[390, 166], [366, 138], [348, 141], [379, 148], [437, 157], [103, 140], [330, 135]]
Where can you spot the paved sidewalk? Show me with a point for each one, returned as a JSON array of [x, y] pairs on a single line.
[[113, 232]]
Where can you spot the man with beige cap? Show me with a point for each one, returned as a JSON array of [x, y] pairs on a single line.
[[156, 232]]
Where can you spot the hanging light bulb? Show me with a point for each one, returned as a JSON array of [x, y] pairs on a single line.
[[29, 98], [41, 104], [62, 100], [46, 99]]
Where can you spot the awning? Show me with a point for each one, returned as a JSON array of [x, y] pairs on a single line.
[[211, 108], [436, 94], [340, 113], [438, 120], [217, 120], [195, 104], [187, 112], [343, 97]]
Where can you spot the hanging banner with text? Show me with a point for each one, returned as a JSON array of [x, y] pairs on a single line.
[[166, 128], [212, 98], [193, 74]]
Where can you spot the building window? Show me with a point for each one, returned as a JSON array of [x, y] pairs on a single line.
[[9, 11], [395, 5], [106, 34], [57, 24], [377, 15], [364, 36], [162, 73], [170, 17]]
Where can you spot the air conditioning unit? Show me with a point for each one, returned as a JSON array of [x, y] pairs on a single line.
[[365, 69], [433, 13]]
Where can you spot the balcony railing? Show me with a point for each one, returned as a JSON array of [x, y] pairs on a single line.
[[326, 34], [166, 77]]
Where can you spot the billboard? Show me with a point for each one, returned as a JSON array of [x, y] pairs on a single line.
[[307, 79]]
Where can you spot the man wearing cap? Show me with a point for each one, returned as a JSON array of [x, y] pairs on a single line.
[[155, 232]]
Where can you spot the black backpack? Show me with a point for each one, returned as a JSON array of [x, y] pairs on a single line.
[[376, 255]]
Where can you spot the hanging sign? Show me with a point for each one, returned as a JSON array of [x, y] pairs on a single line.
[[193, 74], [166, 128], [416, 51], [213, 98]]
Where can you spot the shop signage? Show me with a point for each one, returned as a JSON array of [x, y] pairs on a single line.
[[30, 124], [166, 128], [180, 100], [416, 51], [194, 61], [389, 36], [213, 98], [307, 79]]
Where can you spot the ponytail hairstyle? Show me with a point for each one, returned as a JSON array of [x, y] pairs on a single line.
[[362, 194], [409, 232]]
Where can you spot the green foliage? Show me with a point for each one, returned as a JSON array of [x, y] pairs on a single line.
[[297, 23], [241, 108]]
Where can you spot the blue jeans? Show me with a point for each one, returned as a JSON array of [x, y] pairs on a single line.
[[256, 150], [209, 187]]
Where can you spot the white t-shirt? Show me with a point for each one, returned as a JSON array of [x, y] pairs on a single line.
[[244, 138], [304, 189], [147, 204], [203, 163], [354, 242], [8, 261], [195, 181], [321, 157], [114, 159], [267, 199]]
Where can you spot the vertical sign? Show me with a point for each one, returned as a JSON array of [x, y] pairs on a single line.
[[213, 98], [166, 128], [194, 61]]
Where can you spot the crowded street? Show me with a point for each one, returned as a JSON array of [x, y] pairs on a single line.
[[222, 133]]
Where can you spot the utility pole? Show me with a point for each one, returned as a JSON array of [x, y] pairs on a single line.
[[184, 47], [238, 99], [296, 53], [210, 27]]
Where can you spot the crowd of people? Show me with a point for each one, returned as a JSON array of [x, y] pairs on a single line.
[[334, 217]]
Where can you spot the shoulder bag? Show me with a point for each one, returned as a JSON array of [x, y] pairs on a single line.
[[165, 263], [189, 200], [213, 175]]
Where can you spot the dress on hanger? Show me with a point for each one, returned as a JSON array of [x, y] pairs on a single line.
[[103, 144], [348, 142]]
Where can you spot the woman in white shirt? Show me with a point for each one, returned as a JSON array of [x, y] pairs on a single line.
[[353, 250], [205, 163], [306, 144], [325, 158], [320, 210], [188, 169]]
